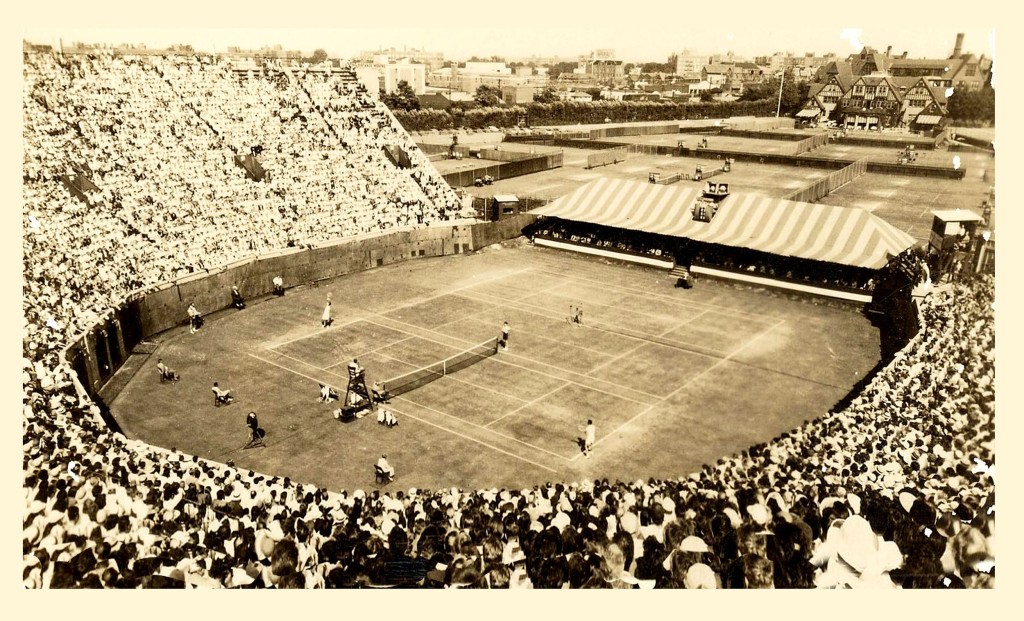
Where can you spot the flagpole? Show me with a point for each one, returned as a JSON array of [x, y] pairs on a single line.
[[781, 82]]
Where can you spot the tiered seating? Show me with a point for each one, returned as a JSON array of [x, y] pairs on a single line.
[[895, 490]]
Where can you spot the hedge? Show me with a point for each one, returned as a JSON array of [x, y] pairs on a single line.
[[569, 112]]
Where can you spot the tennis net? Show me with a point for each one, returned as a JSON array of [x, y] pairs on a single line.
[[420, 377]]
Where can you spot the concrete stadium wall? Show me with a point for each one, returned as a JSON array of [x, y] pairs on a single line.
[[97, 354], [488, 233]]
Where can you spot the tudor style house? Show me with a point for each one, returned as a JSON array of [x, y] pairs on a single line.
[[872, 102], [874, 90]]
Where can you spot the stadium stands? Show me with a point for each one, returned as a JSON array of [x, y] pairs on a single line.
[[894, 490]]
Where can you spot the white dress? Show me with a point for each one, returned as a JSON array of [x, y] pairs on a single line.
[[327, 312]]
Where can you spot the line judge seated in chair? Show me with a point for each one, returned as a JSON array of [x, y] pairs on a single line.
[[386, 417], [327, 394], [384, 470], [167, 374], [379, 392], [221, 396]]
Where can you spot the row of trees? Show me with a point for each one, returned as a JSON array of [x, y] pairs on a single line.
[[972, 106], [568, 113], [794, 93]]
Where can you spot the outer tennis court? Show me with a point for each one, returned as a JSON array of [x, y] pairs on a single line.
[[672, 378]]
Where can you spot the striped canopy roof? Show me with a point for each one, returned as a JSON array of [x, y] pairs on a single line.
[[843, 235]]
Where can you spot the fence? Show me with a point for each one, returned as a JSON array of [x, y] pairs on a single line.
[[759, 123], [811, 143], [634, 130], [607, 156], [884, 140], [830, 183]]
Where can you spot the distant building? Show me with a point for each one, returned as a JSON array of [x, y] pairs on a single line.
[[517, 95], [370, 77], [690, 64], [877, 89], [574, 96], [872, 102], [430, 60], [413, 73], [486, 68], [602, 67]]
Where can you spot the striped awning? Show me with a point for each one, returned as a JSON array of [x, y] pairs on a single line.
[[663, 209], [927, 119], [843, 235]]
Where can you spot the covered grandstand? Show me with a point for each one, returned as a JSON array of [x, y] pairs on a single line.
[[817, 232]]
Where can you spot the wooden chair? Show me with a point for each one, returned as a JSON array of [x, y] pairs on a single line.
[[380, 476]]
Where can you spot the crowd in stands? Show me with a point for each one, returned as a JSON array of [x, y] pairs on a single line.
[[713, 255], [158, 137], [894, 490], [636, 242]]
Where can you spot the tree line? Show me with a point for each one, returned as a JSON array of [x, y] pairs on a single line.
[[570, 112]]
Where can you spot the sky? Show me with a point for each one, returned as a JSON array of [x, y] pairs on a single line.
[[638, 31]]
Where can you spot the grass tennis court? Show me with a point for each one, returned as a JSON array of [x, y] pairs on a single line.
[[673, 379]]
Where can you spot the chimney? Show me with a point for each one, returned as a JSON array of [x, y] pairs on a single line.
[[888, 51], [959, 45]]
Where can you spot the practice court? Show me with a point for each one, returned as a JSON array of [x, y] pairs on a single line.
[[673, 379]]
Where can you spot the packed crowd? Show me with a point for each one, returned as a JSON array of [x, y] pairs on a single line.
[[894, 490], [713, 255], [158, 137], [637, 242]]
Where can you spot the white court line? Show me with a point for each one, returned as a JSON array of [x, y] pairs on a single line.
[[497, 392], [642, 343], [684, 385], [669, 298], [610, 328], [497, 433], [503, 358], [367, 352], [310, 335], [303, 362], [534, 334], [531, 402], [410, 305], [492, 447], [451, 431]]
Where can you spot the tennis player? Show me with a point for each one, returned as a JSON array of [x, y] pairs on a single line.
[[588, 437], [504, 336]]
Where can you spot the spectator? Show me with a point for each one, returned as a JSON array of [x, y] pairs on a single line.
[[237, 300]]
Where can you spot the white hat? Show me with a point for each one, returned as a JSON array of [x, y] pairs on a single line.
[[700, 576], [693, 544]]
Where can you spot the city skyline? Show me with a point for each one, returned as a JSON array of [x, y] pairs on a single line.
[[747, 33]]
